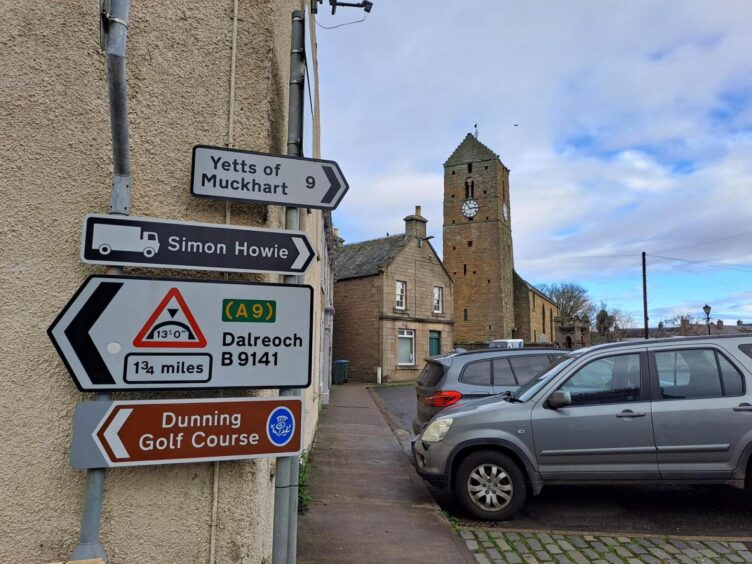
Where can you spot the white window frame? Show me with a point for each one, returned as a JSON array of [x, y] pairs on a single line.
[[438, 299], [401, 294], [406, 334]]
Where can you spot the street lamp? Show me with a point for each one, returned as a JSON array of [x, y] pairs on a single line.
[[706, 309]]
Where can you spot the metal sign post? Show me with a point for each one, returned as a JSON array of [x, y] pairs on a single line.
[[113, 38], [284, 544]]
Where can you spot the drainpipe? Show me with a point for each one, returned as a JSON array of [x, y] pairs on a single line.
[[114, 27], [284, 544]]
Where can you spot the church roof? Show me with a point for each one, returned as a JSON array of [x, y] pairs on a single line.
[[470, 150], [534, 289], [367, 257]]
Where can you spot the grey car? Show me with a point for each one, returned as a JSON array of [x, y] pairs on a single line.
[[673, 410], [454, 378]]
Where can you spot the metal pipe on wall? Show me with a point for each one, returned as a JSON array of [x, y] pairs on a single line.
[[284, 545], [115, 25]]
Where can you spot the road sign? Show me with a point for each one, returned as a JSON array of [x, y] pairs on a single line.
[[126, 333], [161, 243], [136, 433], [231, 174]]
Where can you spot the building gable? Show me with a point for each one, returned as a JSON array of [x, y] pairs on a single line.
[[367, 257]]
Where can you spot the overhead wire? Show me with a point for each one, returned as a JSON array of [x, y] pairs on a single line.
[[703, 263], [688, 271], [706, 242], [365, 15]]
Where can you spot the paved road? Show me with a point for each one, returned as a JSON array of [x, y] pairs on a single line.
[[674, 510]]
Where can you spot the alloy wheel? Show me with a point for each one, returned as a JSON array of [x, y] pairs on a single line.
[[490, 487]]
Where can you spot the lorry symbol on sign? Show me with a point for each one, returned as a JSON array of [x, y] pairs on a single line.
[[108, 238]]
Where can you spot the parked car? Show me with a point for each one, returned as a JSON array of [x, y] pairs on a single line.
[[673, 410], [456, 377], [506, 344]]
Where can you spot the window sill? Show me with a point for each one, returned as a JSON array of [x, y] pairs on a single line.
[[399, 310], [438, 314]]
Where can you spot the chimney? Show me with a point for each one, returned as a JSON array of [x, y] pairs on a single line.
[[338, 241], [415, 225]]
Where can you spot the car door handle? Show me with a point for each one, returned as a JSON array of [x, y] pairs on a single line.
[[743, 407], [629, 414]]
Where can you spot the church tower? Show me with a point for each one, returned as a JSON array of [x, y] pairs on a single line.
[[478, 243]]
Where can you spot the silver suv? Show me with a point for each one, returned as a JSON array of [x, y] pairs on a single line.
[[455, 378], [663, 410]]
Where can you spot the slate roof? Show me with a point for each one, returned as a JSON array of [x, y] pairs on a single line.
[[367, 257], [534, 289], [470, 150]]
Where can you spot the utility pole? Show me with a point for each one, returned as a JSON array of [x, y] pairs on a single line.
[[645, 293]]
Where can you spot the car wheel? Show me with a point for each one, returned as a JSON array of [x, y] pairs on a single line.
[[105, 249], [149, 252], [490, 485]]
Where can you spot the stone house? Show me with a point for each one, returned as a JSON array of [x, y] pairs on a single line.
[[393, 304]]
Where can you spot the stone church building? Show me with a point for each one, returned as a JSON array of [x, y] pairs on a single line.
[[491, 301]]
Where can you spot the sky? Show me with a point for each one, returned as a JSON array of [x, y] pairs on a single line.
[[627, 127]]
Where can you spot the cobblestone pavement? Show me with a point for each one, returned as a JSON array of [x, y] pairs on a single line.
[[531, 547]]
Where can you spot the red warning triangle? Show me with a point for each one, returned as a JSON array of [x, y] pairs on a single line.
[[173, 326]]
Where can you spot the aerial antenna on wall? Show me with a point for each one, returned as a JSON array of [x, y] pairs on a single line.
[[365, 4]]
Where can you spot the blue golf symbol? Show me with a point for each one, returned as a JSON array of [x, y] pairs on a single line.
[[280, 427]]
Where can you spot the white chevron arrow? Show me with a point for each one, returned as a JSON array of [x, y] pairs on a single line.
[[303, 253], [111, 434]]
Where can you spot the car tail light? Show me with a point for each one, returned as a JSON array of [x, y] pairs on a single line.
[[443, 399]]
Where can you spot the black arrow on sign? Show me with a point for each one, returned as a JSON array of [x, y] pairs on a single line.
[[78, 332], [335, 185]]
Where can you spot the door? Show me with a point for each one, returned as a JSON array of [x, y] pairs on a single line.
[[434, 343], [702, 413], [606, 432]]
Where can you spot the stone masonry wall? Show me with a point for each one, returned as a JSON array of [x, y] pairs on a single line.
[[522, 310], [357, 302], [419, 266], [478, 252]]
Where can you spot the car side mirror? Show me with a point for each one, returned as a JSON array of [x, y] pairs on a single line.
[[559, 399]]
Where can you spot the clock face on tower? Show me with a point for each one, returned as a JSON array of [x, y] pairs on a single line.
[[470, 209]]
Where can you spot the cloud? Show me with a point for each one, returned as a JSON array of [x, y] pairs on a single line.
[[634, 125]]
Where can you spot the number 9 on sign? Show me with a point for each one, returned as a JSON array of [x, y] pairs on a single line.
[[249, 311]]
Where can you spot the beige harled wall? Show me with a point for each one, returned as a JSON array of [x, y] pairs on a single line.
[[55, 166]]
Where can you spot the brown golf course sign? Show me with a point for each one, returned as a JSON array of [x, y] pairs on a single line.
[[175, 431]]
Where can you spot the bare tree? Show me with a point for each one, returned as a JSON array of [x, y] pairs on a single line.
[[572, 299]]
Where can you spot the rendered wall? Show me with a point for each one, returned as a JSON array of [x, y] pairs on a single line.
[[55, 166]]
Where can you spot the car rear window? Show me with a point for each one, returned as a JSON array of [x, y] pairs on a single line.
[[527, 367], [431, 374]]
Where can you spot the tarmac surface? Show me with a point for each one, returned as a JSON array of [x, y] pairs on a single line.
[[368, 504], [717, 511]]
